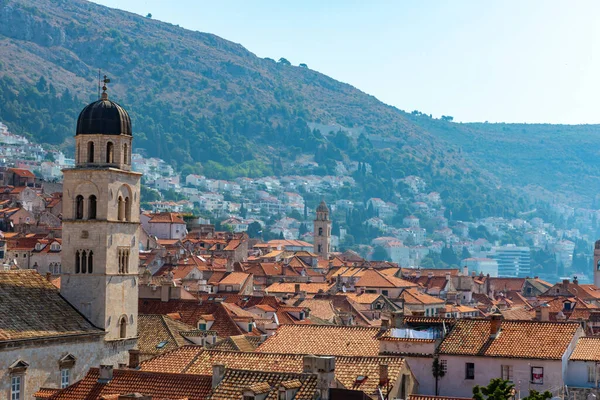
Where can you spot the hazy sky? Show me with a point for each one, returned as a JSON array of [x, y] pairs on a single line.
[[511, 61]]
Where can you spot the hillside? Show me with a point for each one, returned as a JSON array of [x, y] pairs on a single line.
[[210, 106]]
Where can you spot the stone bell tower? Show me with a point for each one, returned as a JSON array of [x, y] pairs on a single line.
[[322, 231], [101, 218]]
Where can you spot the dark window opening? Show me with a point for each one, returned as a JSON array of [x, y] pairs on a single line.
[[79, 207], [92, 207]]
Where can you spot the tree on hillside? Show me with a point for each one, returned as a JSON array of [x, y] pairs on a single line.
[[284, 61], [303, 65], [497, 389], [254, 230], [379, 254], [149, 15]]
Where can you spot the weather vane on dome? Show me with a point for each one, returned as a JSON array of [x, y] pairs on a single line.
[[104, 94]]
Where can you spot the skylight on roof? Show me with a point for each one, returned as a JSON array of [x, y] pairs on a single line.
[[162, 344]]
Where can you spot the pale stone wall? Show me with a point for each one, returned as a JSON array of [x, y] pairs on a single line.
[[323, 240], [43, 359], [100, 150]]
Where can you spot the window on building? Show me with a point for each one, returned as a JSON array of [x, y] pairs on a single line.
[[109, 153], [249, 327], [83, 262], [202, 326], [121, 209], [125, 154], [65, 373], [127, 209], [469, 370], [319, 248], [92, 207], [90, 262], [16, 387], [123, 254], [506, 372], [77, 262], [123, 327], [537, 375], [90, 152], [320, 231], [591, 374], [248, 397], [79, 207], [385, 292]]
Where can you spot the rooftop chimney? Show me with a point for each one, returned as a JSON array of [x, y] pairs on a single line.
[[106, 374], [495, 324], [418, 273], [385, 324], [48, 276], [466, 271], [430, 274], [543, 312], [134, 358], [217, 375], [297, 288], [575, 281], [447, 276], [565, 284], [383, 374]]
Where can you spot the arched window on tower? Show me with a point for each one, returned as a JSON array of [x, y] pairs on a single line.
[[127, 209], [319, 249], [320, 231], [90, 152], [79, 207], [77, 262], [83, 262], [123, 327], [90, 263], [92, 207], [121, 209], [125, 154], [109, 153]]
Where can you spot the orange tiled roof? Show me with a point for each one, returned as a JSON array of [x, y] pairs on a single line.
[[159, 385], [311, 288], [31, 308], [155, 329], [323, 340], [200, 361], [414, 296], [431, 397], [374, 278], [587, 349], [234, 278], [517, 339], [235, 381], [166, 217]]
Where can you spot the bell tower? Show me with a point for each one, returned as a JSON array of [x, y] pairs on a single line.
[[101, 218], [322, 231], [597, 263]]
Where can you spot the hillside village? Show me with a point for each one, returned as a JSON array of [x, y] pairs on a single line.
[[111, 296], [413, 231]]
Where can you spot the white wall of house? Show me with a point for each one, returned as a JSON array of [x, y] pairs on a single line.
[[577, 374], [488, 368]]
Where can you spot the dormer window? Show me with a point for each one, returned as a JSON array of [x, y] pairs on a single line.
[[38, 246]]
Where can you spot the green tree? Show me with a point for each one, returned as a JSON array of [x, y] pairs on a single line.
[[243, 211], [379, 254], [497, 389], [284, 61], [254, 230], [438, 371], [535, 395]]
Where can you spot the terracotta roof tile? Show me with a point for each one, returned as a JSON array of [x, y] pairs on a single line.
[[587, 349], [159, 333], [31, 307], [234, 278], [517, 339], [374, 278], [166, 217], [323, 340], [289, 287], [160, 386], [347, 368], [235, 381], [414, 296]]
